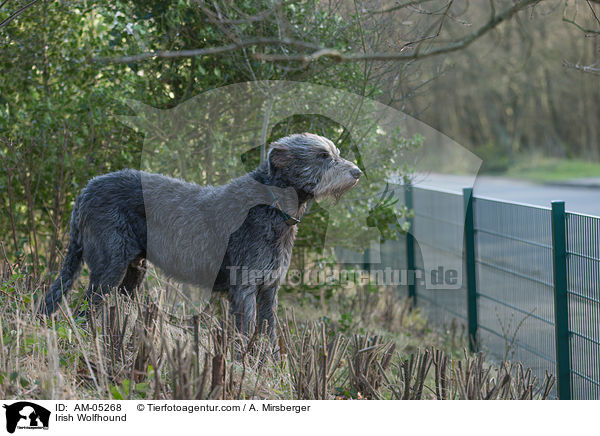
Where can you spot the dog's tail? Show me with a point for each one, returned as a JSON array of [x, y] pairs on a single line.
[[70, 269]]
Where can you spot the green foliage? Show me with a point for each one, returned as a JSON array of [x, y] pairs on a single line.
[[345, 322], [58, 110], [495, 159], [544, 169], [122, 391]]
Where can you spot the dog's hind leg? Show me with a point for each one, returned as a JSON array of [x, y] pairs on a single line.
[[133, 277], [101, 283], [108, 261], [109, 275]]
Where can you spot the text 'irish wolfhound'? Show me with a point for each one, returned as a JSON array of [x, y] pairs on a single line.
[[198, 234]]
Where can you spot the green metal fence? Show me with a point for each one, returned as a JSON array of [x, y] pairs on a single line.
[[531, 281], [514, 282], [583, 302], [437, 225]]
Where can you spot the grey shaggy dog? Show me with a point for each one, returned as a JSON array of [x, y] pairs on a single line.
[[206, 236]]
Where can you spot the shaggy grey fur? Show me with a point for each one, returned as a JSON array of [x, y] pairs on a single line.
[[202, 235]]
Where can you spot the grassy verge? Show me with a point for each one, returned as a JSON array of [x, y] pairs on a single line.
[[543, 169], [359, 343]]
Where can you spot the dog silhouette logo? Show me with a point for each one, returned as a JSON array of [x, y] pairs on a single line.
[[26, 415]]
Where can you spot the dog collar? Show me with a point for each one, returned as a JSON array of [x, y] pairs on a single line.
[[287, 218]]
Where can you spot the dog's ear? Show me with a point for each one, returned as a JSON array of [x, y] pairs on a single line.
[[279, 155]]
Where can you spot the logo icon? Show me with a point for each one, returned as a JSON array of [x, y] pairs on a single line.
[[26, 415]]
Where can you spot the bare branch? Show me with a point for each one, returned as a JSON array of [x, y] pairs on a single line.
[[16, 14], [593, 12], [399, 6], [584, 68], [326, 52], [573, 22], [398, 55], [205, 51]]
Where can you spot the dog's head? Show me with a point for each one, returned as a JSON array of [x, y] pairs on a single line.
[[312, 164]]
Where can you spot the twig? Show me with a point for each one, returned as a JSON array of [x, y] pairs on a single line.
[[15, 14]]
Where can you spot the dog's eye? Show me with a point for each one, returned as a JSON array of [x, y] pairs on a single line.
[[323, 155]]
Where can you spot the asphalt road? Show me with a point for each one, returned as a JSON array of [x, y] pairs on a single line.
[[577, 194]]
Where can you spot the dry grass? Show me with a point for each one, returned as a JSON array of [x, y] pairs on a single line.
[[162, 348]]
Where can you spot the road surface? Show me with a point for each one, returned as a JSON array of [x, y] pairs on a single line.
[[578, 195]]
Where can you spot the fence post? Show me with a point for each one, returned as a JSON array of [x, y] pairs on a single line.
[[561, 304], [470, 273], [410, 248]]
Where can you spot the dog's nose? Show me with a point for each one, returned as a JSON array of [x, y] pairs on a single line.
[[356, 172]]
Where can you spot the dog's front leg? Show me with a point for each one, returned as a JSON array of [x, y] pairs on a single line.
[[266, 302], [243, 308]]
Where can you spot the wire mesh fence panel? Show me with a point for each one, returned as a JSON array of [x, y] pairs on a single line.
[[386, 260], [514, 279], [583, 291], [513, 246], [392, 265], [438, 228], [388, 265]]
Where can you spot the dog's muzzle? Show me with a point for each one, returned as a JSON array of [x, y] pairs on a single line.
[[356, 173]]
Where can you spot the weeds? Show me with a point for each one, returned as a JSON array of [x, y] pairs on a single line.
[[145, 349]]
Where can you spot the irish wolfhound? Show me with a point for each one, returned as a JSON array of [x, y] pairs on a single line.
[[207, 236]]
